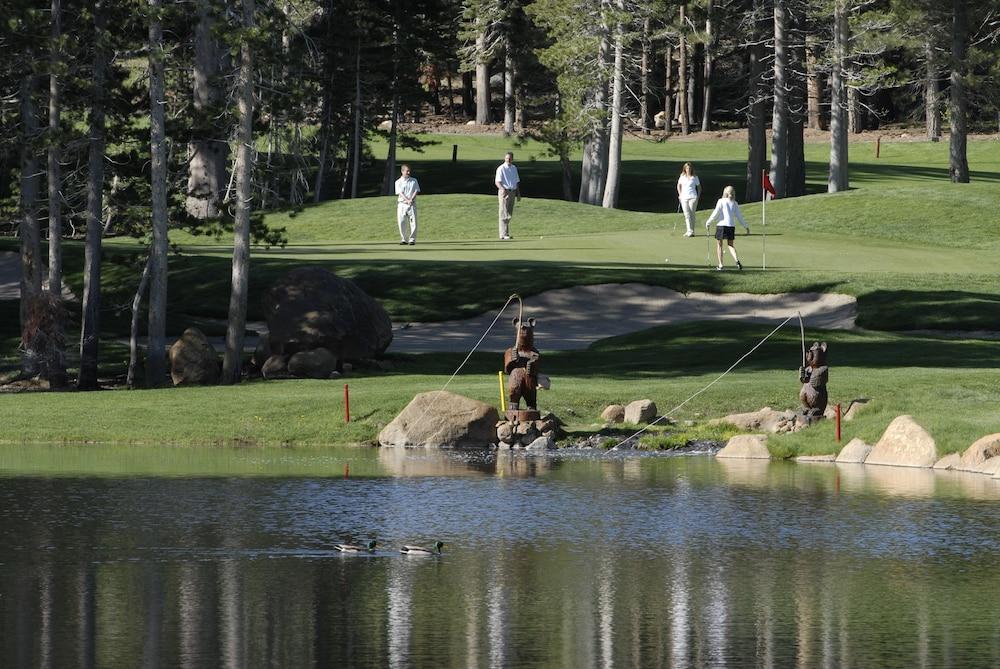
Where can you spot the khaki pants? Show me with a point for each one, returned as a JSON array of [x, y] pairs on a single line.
[[506, 198]]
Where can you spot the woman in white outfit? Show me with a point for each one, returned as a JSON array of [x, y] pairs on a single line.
[[726, 210], [688, 192]]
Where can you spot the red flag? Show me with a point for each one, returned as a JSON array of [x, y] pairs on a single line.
[[766, 185]]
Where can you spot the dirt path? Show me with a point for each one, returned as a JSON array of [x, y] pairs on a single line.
[[574, 318]]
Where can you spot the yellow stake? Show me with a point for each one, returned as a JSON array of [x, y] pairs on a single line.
[[503, 400]]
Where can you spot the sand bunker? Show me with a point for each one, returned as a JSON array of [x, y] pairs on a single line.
[[574, 318]]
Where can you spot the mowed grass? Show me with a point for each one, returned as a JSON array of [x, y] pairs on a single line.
[[917, 251], [947, 385]]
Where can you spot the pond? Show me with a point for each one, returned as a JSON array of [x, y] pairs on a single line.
[[173, 557]]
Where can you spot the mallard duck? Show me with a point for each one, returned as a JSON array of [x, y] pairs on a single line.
[[356, 548], [420, 550]]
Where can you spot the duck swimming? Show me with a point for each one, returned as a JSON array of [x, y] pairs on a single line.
[[420, 550], [356, 548]]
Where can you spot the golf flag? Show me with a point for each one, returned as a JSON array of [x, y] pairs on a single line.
[[766, 185], [765, 188]]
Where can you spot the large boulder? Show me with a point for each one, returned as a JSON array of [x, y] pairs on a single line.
[[314, 364], [193, 360], [904, 444], [856, 451], [442, 420], [312, 308], [980, 451], [640, 411], [764, 420], [613, 413], [748, 446]]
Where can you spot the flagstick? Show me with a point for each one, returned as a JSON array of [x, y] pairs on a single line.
[[763, 221]]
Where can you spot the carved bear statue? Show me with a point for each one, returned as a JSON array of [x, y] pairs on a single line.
[[813, 377], [520, 363]]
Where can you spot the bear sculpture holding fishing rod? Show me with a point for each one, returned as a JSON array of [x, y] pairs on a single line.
[[813, 376], [520, 363]]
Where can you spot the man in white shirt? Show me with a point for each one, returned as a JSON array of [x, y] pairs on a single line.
[[406, 205], [507, 182]]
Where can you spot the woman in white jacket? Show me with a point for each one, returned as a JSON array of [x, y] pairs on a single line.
[[725, 211]]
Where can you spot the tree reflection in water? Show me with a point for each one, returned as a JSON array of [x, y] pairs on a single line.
[[570, 562]]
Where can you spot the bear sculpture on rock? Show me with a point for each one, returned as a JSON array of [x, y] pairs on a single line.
[[813, 376], [520, 363]]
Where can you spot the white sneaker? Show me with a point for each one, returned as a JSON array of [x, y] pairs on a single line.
[[689, 234]]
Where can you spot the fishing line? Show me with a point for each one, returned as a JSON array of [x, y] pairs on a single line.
[[716, 380]]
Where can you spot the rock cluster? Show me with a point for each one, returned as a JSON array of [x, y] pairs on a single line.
[[904, 443], [533, 435], [317, 320], [637, 412], [777, 422]]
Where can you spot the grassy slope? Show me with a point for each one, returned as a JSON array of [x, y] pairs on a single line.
[[914, 248]]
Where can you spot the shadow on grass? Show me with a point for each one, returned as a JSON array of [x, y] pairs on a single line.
[[930, 310], [710, 347]]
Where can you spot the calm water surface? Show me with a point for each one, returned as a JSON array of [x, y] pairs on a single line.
[[114, 557]]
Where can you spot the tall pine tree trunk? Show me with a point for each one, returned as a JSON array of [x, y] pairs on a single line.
[[90, 325], [356, 142], [325, 130], [932, 94], [779, 116], [668, 90], [682, 72], [814, 85], [57, 376], [236, 328], [483, 116], [389, 176], [156, 361], [706, 95], [28, 230], [508, 90], [838, 178], [54, 172], [133, 336], [468, 98], [644, 66], [594, 172], [756, 124], [958, 162], [208, 151], [610, 200], [795, 176]]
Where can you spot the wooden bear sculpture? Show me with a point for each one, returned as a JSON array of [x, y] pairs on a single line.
[[520, 363], [813, 377]]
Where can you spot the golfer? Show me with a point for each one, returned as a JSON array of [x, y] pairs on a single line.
[[406, 205], [725, 211], [688, 192], [508, 183]]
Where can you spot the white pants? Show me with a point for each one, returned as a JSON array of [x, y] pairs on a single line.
[[688, 207], [404, 211]]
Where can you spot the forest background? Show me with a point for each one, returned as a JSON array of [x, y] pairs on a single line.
[[134, 118]]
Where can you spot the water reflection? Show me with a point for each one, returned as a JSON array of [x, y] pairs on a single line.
[[568, 562]]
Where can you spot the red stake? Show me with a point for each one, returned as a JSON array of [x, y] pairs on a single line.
[[347, 405], [838, 422], [878, 146], [347, 470]]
